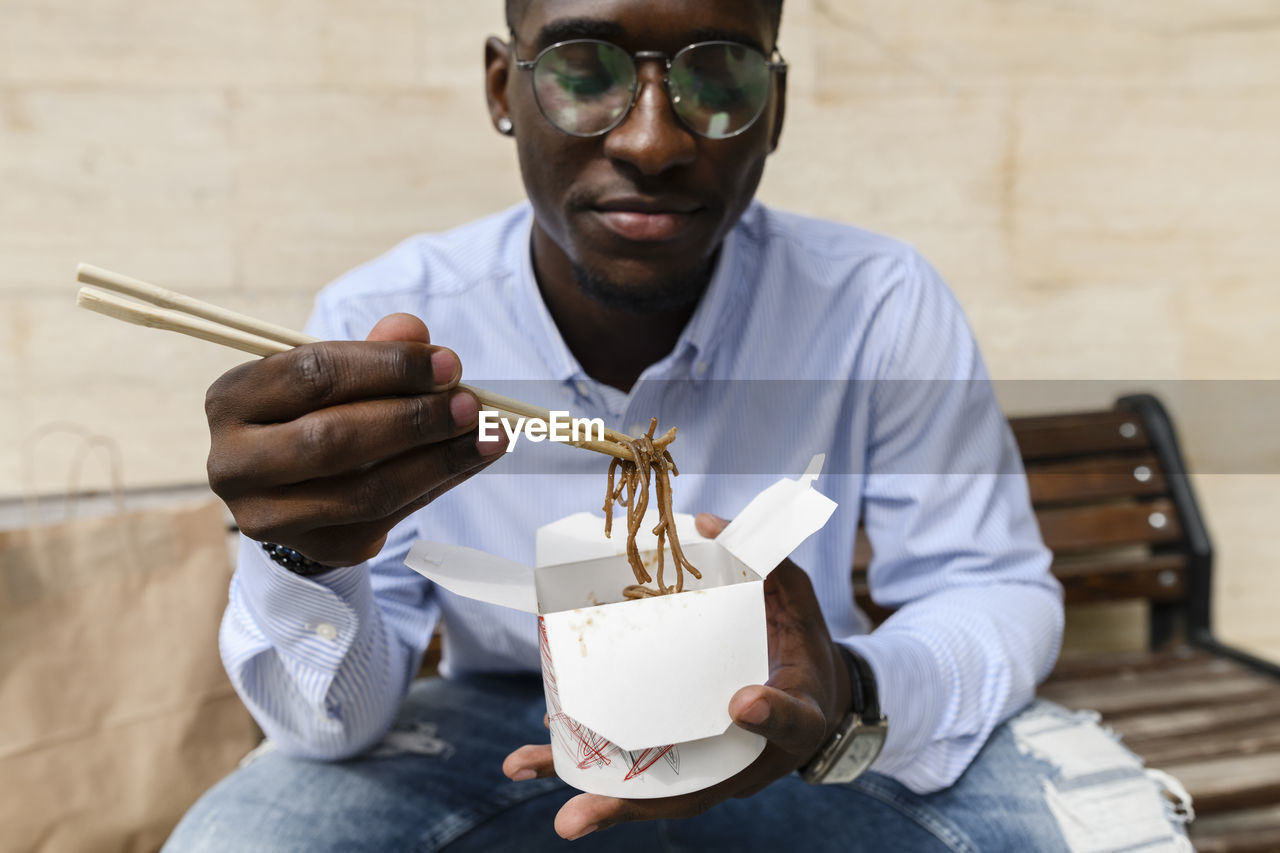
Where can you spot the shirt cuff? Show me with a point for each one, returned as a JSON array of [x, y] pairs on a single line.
[[907, 685], [314, 619]]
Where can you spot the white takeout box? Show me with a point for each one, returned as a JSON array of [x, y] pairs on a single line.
[[638, 690]]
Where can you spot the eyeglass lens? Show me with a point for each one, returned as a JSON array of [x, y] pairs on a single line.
[[586, 87]]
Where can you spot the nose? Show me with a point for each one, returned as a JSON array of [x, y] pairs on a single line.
[[651, 138]]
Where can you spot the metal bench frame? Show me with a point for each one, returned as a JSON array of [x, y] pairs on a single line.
[[1196, 613]]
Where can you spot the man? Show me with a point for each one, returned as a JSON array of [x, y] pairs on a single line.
[[640, 280]]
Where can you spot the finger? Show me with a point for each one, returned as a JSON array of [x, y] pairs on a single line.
[[792, 581], [588, 813], [529, 762], [339, 439], [387, 490], [794, 723], [350, 544], [400, 327], [710, 525], [315, 376], [802, 659], [797, 628], [383, 489]]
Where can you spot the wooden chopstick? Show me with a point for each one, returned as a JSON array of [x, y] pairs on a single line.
[[165, 298], [173, 321], [113, 281], [190, 316]]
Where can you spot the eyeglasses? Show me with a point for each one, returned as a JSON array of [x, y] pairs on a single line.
[[587, 87]]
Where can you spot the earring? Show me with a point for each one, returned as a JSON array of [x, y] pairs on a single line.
[[505, 127]]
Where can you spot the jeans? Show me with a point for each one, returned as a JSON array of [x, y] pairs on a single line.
[[1048, 780]]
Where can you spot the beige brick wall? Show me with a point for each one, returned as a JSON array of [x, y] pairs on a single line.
[[1098, 181]]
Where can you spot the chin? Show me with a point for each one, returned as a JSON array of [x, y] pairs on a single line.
[[644, 292]]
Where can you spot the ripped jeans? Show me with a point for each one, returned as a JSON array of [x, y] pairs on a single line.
[[1048, 780]]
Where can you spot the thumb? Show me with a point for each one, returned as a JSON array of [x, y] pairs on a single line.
[[793, 722], [710, 525], [400, 327]]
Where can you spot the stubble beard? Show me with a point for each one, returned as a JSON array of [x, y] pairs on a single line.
[[671, 293]]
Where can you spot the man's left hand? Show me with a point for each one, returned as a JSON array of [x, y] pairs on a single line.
[[796, 711]]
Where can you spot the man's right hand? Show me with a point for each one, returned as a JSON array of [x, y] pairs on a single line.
[[326, 447]]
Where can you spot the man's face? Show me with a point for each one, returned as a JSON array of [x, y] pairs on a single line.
[[639, 212]]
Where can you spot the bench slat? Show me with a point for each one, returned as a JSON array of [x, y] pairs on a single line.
[[1144, 695], [1162, 725], [1159, 577], [1262, 839], [861, 552], [1240, 782], [1256, 739], [1174, 661], [1095, 478], [1090, 480], [1168, 670], [1159, 682], [1087, 528], [1076, 529], [1247, 831], [1060, 436]]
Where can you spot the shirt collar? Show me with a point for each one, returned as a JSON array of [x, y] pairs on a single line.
[[554, 351], [719, 304]]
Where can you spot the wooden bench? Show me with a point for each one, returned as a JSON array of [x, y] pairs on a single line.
[[1116, 506]]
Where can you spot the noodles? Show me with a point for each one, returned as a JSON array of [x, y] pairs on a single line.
[[652, 461]]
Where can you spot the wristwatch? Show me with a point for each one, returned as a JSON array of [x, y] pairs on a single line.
[[857, 742], [293, 560]]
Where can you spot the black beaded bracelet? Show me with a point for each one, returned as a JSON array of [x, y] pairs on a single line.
[[293, 561]]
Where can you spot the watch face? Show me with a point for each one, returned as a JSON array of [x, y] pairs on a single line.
[[860, 750], [853, 749], [864, 749]]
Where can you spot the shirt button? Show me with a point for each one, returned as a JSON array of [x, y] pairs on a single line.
[[582, 388], [700, 368], [325, 631], [637, 429]]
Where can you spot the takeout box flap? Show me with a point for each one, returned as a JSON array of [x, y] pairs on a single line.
[[658, 670], [475, 574], [777, 520]]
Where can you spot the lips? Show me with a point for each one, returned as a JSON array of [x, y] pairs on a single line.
[[647, 219], [645, 227]]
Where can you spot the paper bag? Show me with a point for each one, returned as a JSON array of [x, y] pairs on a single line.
[[115, 713]]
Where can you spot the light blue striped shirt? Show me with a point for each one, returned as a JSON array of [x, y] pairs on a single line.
[[812, 338]]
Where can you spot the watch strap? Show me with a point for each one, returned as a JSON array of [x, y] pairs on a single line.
[[293, 560], [862, 685]]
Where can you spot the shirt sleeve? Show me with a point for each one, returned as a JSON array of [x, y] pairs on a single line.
[[323, 662], [956, 549]]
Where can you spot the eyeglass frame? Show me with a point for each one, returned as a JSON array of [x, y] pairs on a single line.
[[645, 55]]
